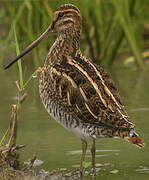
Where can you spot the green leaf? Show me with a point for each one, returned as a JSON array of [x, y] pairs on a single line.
[[19, 62], [86, 164]]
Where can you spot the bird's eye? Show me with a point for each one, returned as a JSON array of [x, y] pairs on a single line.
[[61, 14]]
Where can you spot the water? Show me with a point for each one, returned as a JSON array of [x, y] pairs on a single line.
[[59, 149]]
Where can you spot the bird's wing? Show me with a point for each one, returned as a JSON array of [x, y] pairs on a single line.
[[89, 92]]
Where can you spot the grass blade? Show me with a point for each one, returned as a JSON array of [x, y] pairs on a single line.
[[3, 138], [19, 61], [126, 23]]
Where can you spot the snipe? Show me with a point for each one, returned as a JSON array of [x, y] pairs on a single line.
[[76, 92]]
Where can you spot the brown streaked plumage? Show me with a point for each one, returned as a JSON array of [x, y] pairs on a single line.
[[75, 91]]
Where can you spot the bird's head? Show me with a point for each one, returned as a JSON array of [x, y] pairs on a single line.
[[66, 18]]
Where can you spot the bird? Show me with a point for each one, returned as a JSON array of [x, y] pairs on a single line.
[[76, 92]]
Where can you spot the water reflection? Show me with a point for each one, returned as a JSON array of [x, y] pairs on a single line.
[[139, 109], [143, 169], [115, 171], [37, 162], [104, 150]]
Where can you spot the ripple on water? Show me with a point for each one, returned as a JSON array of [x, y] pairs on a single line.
[[139, 109], [143, 170], [80, 151], [37, 162], [114, 171], [98, 155]]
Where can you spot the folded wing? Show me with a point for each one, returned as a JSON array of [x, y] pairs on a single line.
[[87, 91]]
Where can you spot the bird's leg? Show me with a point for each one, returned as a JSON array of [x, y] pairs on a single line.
[[93, 152], [84, 148]]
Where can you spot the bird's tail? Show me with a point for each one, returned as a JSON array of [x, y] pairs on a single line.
[[135, 139]]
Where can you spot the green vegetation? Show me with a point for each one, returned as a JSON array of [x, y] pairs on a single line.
[[8, 151], [22, 85], [2, 139], [19, 62], [110, 28]]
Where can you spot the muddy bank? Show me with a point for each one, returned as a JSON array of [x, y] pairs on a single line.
[[8, 173], [11, 168]]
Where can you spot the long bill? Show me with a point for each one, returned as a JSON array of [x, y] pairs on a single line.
[[30, 47]]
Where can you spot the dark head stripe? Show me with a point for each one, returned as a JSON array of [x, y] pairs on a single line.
[[67, 6]]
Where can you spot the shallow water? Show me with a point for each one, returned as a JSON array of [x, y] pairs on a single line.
[[59, 149]]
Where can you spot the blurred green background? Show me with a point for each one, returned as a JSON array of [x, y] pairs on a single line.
[[115, 34], [111, 28]]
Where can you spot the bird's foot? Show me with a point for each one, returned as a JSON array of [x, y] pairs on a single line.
[[93, 173], [82, 171]]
